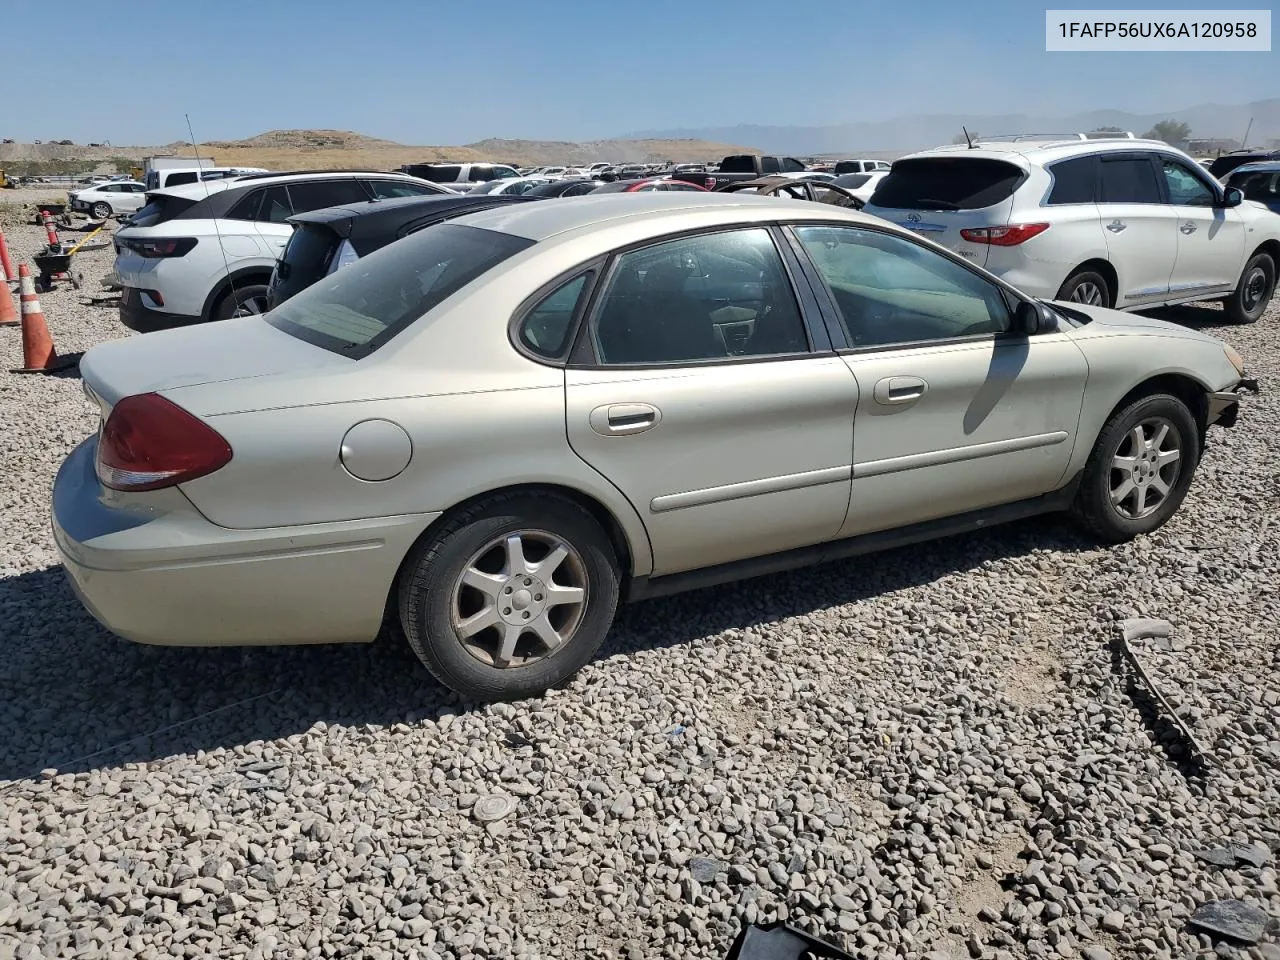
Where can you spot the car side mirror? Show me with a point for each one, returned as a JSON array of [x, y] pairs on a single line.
[[1028, 320], [1233, 197]]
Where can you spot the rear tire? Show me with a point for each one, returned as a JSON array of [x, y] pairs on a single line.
[[1132, 483], [1253, 292], [1087, 287], [475, 608], [101, 210], [242, 301]]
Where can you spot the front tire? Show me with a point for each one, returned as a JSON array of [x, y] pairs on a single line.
[[1140, 469], [1086, 287], [511, 597], [101, 210], [1254, 291]]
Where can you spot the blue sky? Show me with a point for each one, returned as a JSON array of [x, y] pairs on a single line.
[[430, 73]]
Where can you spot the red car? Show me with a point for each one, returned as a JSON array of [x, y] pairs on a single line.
[[648, 185]]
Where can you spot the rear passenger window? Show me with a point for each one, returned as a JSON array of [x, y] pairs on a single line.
[[275, 206], [246, 208], [712, 297], [1129, 180], [386, 189], [545, 329], [317, 194], [1074, 181]]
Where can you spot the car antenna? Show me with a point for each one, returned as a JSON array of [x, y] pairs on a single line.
[[217, 229], [1244, 144], [967, 139]]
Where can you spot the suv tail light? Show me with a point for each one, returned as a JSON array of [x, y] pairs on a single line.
[[149, 442], [155, 249], [1009, 236]]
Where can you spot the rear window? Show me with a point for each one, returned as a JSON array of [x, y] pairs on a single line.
[[743, 163], [848, 166], [306, 258], [947, 183], [439, 173], [362, 306], [159, 209], [181, 177]]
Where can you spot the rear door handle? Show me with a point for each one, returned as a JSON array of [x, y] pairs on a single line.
[[1115, 226], [624, 419], [1188, 228], [892, 390]]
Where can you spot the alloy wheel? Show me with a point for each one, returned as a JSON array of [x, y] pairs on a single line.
[[520, 597], [251, 307], [1145, 467], [1087, 293]]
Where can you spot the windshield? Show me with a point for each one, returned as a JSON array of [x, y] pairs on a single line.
[[361, 307]]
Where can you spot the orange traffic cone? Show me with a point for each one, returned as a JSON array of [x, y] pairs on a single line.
[[38, 355], [8, 315], [5, 263]]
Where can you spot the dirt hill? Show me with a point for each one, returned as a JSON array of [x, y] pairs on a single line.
[[324, 149]]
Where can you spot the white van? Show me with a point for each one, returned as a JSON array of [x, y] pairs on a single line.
[[162, 179]]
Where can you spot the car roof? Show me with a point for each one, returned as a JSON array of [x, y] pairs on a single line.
[[1027, 152], [541, 221], [389, 214], [1258, 166], [203, 188]]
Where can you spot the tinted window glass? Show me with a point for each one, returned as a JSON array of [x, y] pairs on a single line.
[[1074, 181], [852, 181], [890, 290], [792, 166], [480, 173], [545, 329], [246, 208], [769, 165], [742, 163], [710, 297], [1129, 180], [1261, 186], [362, 306], [160, 209], [318, 194], [1185, 188], [275, 206], [385, 189], [305, 260], [848, 166], [947, 183], [177, 179], [440, 173]]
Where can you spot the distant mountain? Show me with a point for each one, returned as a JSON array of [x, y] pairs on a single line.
[[927, 130]]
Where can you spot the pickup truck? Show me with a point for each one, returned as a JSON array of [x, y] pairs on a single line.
[[739, 167]]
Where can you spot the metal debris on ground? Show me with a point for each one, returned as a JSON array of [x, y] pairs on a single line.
[[1145, 628], [494, 807], [1233, 919], [777, 941]]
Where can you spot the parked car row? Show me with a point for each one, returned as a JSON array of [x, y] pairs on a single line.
[[502, 423]]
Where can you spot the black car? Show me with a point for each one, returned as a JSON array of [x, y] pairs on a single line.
[[563, 188], [325, 240], [1224, 164]]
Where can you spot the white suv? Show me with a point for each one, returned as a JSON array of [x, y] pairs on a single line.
[[1118, 221], [205, 251]]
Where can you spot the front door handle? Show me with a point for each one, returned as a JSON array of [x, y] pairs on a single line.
[[892, 390], [624, 419], [1115, 226], [1188, 228]]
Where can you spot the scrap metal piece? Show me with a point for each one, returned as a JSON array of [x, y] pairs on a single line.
[[1143, 628], [1233, 919], [494, 807]]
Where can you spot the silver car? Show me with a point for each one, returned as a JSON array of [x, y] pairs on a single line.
[[502, 426]]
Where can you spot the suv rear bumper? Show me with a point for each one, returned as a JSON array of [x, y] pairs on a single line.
[[136, 315]]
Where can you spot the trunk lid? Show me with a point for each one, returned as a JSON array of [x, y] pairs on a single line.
[[938, 197], [237, 349]]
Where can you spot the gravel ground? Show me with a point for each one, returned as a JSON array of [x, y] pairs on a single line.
[[933, 752]]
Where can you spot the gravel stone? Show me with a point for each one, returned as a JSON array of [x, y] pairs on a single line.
[[973, 752]]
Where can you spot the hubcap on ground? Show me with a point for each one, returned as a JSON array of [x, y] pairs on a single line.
[[1255, 288], [1145, 467], [519, 598], [1088, 292]]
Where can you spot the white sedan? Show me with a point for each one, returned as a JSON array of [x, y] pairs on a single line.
[[861, 185], [104, 200]]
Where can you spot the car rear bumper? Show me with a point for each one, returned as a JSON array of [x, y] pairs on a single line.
[[136, 315], [170, 577]]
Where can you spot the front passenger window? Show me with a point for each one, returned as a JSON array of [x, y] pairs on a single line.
[[890, 290], [712, 297], [1185, 188]]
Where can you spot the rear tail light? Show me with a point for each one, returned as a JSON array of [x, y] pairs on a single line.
[[1010, 236], [155, 249], [149, 442]]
